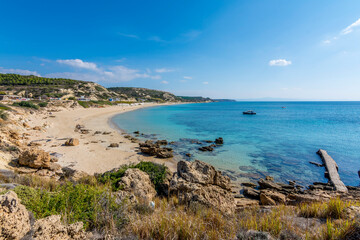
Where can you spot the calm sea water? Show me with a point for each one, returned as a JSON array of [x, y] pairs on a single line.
[[277, 141]]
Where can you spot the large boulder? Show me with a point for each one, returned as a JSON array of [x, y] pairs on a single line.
[[139, 183], [35, 158], [14, 218], [52, 228], [199, 182], [203, 173]]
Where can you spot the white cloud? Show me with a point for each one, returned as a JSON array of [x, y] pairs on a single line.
[[351, 27], [187, 77], [120, 60], [78, 63], [156, 39], [183, 81], [164, 70], [205, 83], [91, 72], [327, 41], [164, 82], [280, 62], [191, 35], [19, 71], [129, 35]]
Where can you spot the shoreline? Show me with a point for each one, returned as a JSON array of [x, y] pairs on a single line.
[[93, 154]]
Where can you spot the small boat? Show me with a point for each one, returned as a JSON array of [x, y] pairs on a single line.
[[283, 107], [250, 112]]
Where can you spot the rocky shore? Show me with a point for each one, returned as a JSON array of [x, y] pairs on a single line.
[[41, 159]]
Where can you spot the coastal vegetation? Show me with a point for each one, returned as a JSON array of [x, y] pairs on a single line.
[[91, 201], [26, 104]]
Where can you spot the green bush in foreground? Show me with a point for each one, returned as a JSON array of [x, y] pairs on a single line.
[[26, 104], [156, 172], [93, 205]]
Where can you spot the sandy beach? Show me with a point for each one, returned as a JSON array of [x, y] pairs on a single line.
[[92, 155]]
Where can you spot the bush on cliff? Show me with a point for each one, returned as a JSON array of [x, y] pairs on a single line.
[[26, 104], [84, 104], [156, 172], [43, 104]]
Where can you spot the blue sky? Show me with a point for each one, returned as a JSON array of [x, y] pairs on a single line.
[[222, 49]]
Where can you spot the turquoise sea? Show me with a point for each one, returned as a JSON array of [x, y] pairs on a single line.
[[277, 141]]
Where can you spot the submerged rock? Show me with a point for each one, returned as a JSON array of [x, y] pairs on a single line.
[[206, 149], [154, 149], [219, 141]]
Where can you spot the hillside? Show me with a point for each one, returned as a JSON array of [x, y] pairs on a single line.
[[35, 87], [144, 94], [195, 99]]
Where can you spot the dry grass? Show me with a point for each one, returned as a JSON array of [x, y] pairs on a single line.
[[173, 221], [333, 209], [170, 220]]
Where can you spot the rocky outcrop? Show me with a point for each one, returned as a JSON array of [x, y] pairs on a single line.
[[72, 142], [35, 158], [14, 218], [52, 228], [268, 197], [199, 182], [139, 183], [155, 149]]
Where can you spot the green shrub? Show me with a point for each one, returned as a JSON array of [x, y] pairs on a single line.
[[3, 115], [43, 104], [71, 98], [93, 205], [84, 104], [156, 172], [26, 104], [2, 93]]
